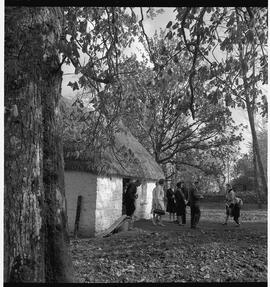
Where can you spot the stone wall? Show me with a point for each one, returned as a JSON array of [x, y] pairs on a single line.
[[108, 202], [84, 184]]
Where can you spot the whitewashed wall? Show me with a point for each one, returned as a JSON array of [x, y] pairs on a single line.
[[150, 186], [144, 200], [101, 201], [84, 184], [108, 202]]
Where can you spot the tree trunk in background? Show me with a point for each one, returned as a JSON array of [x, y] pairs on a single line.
[[35, 237], [256, 145], [256, 184], [221, 179], [250, 110]]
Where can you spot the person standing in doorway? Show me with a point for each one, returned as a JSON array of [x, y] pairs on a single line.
[[194, 198], [130, 198], [180, 203]]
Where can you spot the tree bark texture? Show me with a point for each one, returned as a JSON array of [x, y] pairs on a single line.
[[256, 184], [34, 200], [250, 110], [256, 145], [58, 267]]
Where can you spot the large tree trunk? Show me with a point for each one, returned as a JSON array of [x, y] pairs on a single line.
[[57, 259], [256, 145], [250, 110], [24, 193], [34, 218]]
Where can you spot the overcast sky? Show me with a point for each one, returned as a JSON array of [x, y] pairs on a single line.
[[151, 25]]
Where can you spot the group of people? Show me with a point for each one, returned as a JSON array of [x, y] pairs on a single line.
[[177, 201]]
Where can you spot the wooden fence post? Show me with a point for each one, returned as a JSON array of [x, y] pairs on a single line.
[[78, 213]]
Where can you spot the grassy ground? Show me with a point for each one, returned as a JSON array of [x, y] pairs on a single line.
[[211, 253]]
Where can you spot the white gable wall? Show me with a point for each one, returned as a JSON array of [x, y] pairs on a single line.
[[150, 186], [101, 201], [108, 202], [84, 184]]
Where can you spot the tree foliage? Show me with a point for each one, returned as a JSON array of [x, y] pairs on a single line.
[[157, 111], [94, 40], [232, 42]]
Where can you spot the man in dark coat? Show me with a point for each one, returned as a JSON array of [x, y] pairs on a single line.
[[171, 207], [194, 197], [130, 197], [180, 202]]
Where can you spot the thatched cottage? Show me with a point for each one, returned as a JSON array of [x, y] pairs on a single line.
[[102, 192]]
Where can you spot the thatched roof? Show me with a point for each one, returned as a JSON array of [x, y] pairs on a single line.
[[127, 158]]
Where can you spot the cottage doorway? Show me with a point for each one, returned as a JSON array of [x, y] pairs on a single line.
[[126, 182]]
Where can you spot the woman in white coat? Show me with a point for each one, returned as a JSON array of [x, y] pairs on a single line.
[[158, 206]]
